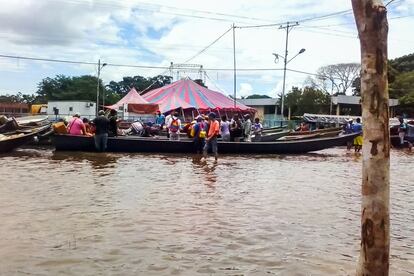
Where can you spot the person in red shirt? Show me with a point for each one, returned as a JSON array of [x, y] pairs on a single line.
[[213, 132]]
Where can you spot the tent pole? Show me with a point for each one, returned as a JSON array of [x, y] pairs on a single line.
[[182, 111], [234, 66]]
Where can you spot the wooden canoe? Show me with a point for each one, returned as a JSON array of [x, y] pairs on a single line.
[[138, 144], [14, 140]]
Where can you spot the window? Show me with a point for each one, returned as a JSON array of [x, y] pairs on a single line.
[[269, 109], [70, 109]]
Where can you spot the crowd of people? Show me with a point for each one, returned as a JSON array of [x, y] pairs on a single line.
[[100, 128], [204, 130]]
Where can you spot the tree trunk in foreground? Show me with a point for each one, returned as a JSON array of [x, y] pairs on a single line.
[[371, 20]]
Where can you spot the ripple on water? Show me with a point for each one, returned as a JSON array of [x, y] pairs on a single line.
[[139, 214]]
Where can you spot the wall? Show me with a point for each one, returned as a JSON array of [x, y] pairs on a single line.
[[260, 112], [68, 108]]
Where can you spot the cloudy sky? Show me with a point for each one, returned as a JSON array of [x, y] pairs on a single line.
[[155, 33]]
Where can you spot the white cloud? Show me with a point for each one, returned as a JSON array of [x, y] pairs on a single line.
[[245, 89], [139, 32]]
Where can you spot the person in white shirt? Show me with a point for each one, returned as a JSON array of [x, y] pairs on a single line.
[[174, 126], [247, 128], [167, 122]]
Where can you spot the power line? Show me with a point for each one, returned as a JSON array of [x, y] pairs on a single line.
[[191, 58], [321, 17], [315, 18], [156, 8], [214, 83], [131, 65], [208, 46], [49, 60]]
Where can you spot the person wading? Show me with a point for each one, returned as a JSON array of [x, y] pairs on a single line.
[[402, 130], [101, 131], [213, 132], [198, 132]]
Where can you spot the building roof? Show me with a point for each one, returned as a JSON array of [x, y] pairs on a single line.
[[259, 102], [355, 100]]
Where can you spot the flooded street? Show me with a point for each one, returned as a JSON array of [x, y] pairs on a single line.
[[138, 214]]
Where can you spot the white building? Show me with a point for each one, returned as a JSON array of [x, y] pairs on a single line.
[[60, 109]]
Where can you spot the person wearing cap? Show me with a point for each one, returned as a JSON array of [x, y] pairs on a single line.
[[159, 118], [76, 126], [357, 128], [213, 132], [247, 128], [347, 129], [198, 132], [101, 131]]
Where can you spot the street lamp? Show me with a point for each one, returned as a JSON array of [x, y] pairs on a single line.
[[285, 61], [97, 87]]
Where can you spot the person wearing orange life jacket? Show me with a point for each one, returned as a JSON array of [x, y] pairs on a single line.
[[174, 126], [213, 132]]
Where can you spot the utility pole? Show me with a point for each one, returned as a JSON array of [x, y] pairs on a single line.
[[97, 88], [234, 66], [288, 27]]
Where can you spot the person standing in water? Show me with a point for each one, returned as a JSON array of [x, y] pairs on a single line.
[[199, 134], [213, 132], [101, 131], [357, 128], [402, 130]]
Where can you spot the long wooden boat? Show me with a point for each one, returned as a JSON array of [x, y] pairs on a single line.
[[36, 120], [312, 135], [11, 141], [138, 144], [271, 137], [315, 131], [273, 130]]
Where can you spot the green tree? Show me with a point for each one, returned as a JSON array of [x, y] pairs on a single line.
[[307, 100], [257, 96], [404, 63], [140, 83], [18, 98], [403, 86], [73, 88]]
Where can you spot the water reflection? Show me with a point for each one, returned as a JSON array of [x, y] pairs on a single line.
[[207, 168], [138, 214], [96, 160]]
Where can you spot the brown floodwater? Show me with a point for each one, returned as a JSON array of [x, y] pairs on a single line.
[[140, 214]]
